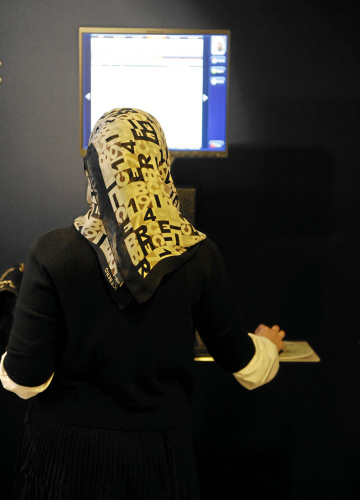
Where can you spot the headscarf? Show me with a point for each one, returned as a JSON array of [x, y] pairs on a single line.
[[134, 223]]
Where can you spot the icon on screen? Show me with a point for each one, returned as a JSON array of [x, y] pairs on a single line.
[[217, 70], [218, 60], [216, 144], [217, 80], [218, 45]]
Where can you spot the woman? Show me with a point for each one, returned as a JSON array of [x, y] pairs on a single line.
[[103, 333]]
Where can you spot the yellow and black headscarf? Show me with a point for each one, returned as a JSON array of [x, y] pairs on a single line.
[[134, 223]]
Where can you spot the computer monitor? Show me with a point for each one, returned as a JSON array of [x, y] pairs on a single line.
[[179, 76]]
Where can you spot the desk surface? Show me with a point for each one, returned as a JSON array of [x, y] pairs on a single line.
[[294, 352]]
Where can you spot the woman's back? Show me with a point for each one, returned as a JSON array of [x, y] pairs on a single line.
[[128, 368]]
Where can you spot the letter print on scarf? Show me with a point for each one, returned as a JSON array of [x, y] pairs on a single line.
[[134, 223]]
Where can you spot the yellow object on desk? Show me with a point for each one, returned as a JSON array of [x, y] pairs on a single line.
[[295, 351], [298, 351]]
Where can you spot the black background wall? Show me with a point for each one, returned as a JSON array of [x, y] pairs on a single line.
[[282, 209]]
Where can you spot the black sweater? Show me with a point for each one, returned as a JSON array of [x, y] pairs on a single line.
[[126, 369]]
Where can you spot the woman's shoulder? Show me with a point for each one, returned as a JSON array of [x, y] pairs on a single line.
[[61, 250], [55, 236], [208, 258], [208, 249], [58, 241]]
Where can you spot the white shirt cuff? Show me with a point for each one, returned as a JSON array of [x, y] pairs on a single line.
[[264, 365], [22, 391]]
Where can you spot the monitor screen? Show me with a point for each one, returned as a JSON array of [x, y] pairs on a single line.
[[179, 76]]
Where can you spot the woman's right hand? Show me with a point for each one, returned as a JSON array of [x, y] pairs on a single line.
[[274, 334]]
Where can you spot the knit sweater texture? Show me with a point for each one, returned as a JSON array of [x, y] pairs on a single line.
[[130, 369]]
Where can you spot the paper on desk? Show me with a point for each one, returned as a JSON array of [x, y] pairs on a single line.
[[298, 351]]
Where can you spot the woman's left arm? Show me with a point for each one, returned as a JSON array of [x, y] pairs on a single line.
[[33, 344], [20, 390]]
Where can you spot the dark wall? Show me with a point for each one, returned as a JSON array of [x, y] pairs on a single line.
[[282, 208]]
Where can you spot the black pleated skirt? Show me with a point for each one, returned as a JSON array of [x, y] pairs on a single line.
[[64, 462]]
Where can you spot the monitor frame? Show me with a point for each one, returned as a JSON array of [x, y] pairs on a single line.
[[156, 31]]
